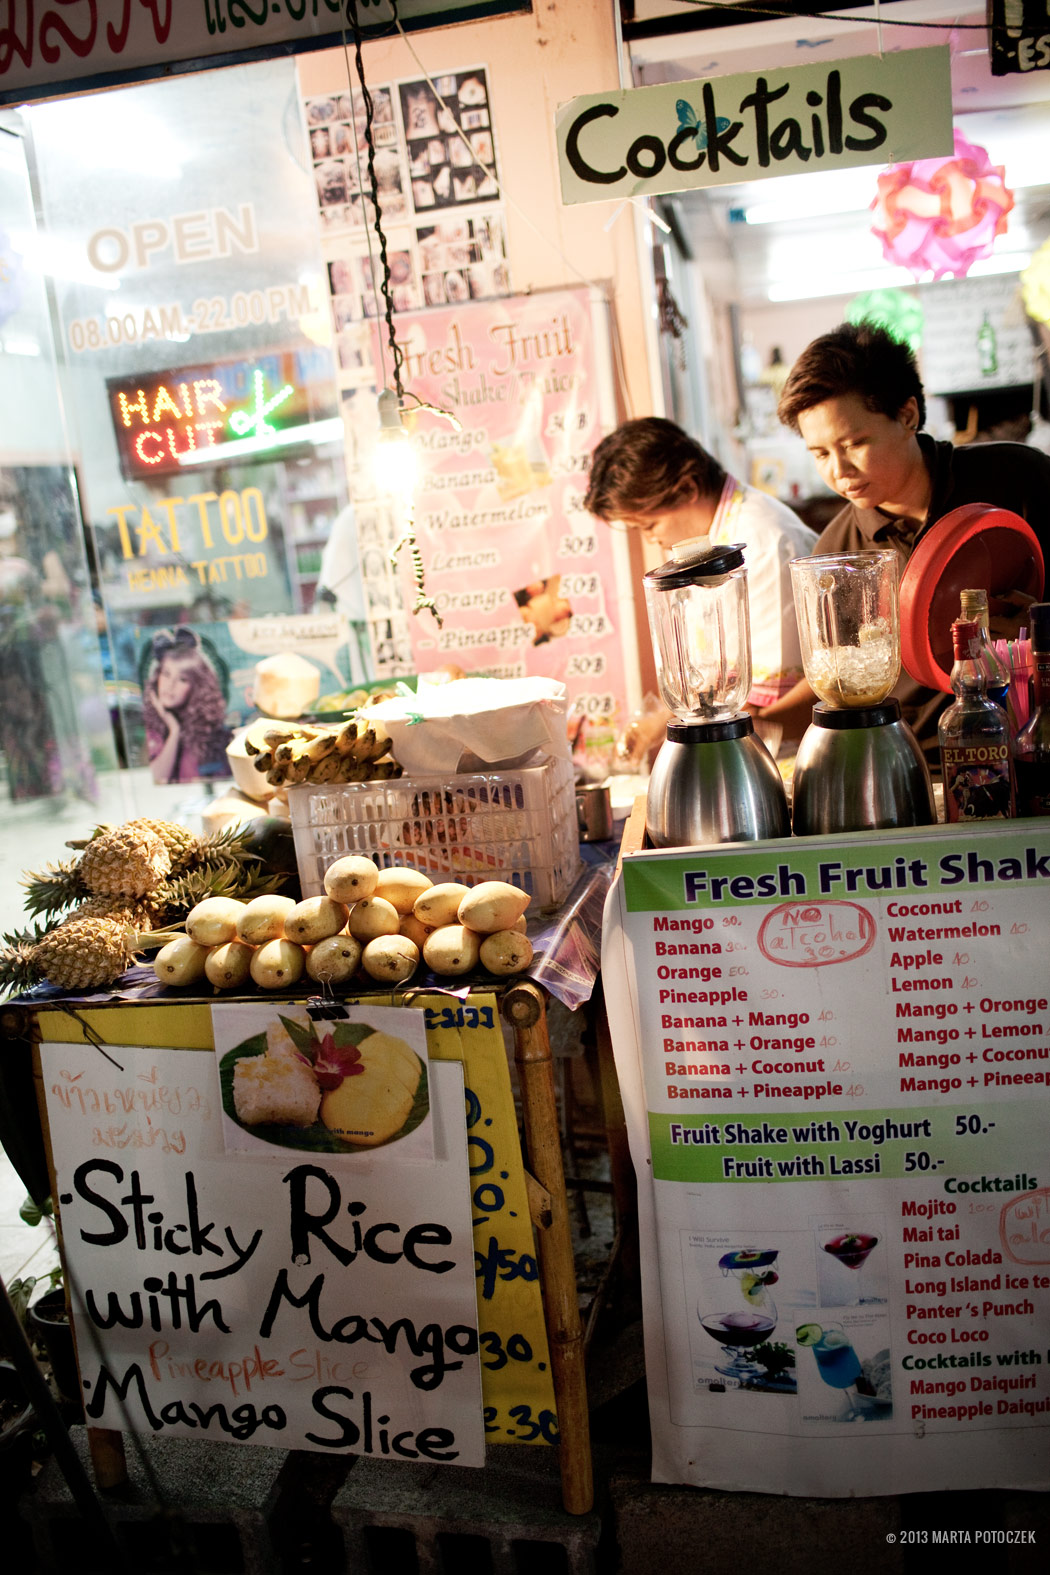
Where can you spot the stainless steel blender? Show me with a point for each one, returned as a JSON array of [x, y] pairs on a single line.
[[713, 780], [858, 765]]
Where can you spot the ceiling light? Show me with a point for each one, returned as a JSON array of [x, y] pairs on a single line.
[[811, 287]]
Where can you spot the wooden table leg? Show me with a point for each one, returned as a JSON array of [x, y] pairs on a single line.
[[525, 1010]]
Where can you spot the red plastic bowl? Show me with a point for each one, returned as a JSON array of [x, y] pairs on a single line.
[[977, 545]]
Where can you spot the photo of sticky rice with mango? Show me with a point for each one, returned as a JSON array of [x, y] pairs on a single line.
[[327, 1086]]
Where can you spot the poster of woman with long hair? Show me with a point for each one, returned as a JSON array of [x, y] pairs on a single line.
[[184, 708]]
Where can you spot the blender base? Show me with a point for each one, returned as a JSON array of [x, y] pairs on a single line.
[[714, 782]]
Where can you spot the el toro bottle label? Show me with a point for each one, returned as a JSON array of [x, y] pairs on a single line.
[[977, 782]]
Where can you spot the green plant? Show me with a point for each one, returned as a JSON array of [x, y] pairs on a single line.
[[775, 1357], [22, 1291], [32, 1213]]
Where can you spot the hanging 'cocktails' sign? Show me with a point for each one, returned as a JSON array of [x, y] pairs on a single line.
[[680, 135]]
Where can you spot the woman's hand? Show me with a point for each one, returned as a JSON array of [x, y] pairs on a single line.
[[793, 711], [641, 737], [162, 764]]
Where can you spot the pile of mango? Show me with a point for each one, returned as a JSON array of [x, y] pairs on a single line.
[[380, 922]]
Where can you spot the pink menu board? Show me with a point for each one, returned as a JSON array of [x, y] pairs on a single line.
[[526, 582]]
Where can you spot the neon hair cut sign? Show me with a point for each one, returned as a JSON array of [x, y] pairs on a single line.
[[160, 419]]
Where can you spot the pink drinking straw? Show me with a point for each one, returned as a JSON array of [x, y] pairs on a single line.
[[1019, 656]]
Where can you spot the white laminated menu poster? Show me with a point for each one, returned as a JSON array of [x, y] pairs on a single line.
[[835, 1058], [304, 1300]]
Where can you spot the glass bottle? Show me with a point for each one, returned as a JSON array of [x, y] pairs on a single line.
[[974, 736], [973, 605], [1032, 746], [987, 349]]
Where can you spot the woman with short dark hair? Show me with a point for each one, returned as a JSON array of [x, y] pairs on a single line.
[[855, 397]]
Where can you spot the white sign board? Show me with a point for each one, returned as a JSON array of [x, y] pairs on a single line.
[[976, 335], [753, 125], [316, 1301], [835, 1059]]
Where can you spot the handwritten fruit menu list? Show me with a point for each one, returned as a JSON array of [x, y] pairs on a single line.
[[835, 1057]]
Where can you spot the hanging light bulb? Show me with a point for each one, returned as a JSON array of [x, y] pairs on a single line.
[[396, 457]]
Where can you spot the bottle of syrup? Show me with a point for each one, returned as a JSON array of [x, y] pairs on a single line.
[[974, 737], [973, 605]]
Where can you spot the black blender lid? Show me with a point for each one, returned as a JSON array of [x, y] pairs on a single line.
[[703, 730], [707, 564], [844, 718]]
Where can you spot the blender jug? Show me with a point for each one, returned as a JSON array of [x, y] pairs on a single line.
[[713, 780], [858, 765], [848, 614]]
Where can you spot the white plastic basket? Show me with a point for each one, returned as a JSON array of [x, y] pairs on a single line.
[[518, 826]]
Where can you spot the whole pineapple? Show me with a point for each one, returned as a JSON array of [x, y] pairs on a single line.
[[127, 861], [84, 953], [81, 954], [183, 845], [141, 915], [221, 864]]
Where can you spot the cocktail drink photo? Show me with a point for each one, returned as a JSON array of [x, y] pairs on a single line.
[[754, 1322], [737, 1332], [852, 1250], [837, 1361]]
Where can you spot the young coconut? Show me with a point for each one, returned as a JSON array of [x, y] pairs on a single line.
[[494, 905], [277, 964], [402, 887], [263, 920], [506, 951], [440, 905], [373, 916], [315, 919], [350, 879], [390, 958], [214, 921], [452, 949], [180, 962], [334, 960], [228, 967]]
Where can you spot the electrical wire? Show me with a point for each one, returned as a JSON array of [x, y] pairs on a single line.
[[364, 210], [395, 349]]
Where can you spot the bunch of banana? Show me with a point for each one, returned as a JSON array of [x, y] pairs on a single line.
[[294, 752]]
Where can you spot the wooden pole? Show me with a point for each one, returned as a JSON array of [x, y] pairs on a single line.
[[525, 1010]]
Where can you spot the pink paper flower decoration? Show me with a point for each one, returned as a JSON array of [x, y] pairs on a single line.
[[941, 214]]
